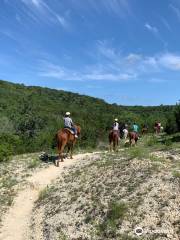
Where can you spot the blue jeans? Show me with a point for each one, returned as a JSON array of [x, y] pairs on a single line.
[[73, 129]]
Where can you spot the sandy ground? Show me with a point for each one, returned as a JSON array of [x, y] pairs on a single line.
[[16, 223]]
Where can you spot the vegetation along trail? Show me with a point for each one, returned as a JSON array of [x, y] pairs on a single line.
[[15, 224]]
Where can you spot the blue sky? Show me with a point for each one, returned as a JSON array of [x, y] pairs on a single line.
[[124, 51]]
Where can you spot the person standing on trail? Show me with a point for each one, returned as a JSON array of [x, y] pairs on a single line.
[[68, 123]]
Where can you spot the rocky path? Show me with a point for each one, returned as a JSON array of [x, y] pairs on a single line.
[[16, 223]]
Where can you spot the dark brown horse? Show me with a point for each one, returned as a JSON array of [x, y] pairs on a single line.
[[133, 138], [113, 140], [65, 137], [144, 130]]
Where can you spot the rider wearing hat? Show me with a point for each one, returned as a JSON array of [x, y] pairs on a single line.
[[68, 123], [116, 125]]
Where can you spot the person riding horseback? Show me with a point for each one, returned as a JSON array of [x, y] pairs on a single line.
[[115, 126], [125, 132], [68, 123], [135, 128]]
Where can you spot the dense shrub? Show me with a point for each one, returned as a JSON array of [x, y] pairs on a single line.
[[5, 152], [31, 116], [177, 117]]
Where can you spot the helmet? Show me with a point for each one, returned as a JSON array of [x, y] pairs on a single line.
[[68, 113], [116, 120]]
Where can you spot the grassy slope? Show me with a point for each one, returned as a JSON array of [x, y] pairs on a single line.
[[109, 195]]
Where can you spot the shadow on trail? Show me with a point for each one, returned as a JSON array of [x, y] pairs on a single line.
[[47, 158]]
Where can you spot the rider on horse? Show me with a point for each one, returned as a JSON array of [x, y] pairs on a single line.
[[135, 129], [68, 123], [125, 132], [116, 126]]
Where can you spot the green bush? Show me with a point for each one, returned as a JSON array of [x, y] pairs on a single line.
[[151, 141], [168, 142], [115, 215], [5, 152]]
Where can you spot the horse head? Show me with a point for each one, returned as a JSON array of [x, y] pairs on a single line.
[[78, 128]]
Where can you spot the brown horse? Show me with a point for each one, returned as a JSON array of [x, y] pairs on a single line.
[[144, 130], [133, 138], [113, 140], [66, 137]]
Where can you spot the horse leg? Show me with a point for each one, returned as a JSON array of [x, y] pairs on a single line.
[[117, 143], [60, 151], [110, 146], [70, 150], [114, 145], [130, 142]]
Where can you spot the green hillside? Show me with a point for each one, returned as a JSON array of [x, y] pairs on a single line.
[[30, 116]]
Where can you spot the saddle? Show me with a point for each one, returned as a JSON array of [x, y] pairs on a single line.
[[68, 129]]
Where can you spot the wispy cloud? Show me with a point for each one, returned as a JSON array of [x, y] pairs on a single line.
[[176, 10], [151, 28], [111, 64], [52, 70], [155, 31], [121, 8], [8, 34], [40, 11], [166, 24], [64, 23]]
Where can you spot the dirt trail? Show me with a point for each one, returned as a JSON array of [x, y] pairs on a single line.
[[16, 222]]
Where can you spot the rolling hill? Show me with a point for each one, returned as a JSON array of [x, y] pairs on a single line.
[[30, 116]]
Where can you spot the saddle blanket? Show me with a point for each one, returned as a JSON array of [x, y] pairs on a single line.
[[70, 130]]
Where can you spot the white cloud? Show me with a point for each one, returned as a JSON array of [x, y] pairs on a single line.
[[119, 7], [175, 10], [170, 61], [105, 50], [166, 24], [151, 28], [40, 11], [110, 64], [133, 58], [62, 21], [37, 3], [48, 69], [33, 3]]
